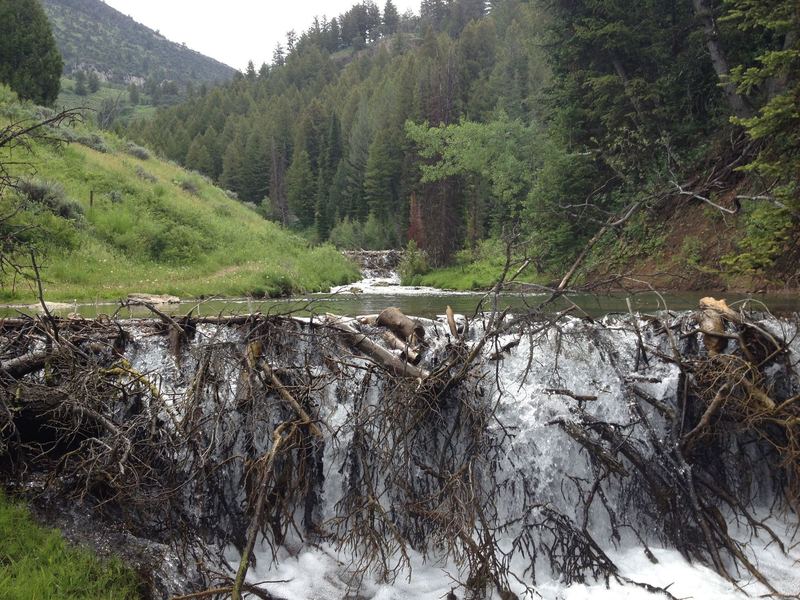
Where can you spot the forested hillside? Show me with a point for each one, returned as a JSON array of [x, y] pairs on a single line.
[[105, 218], [94, 37], [555, 120]]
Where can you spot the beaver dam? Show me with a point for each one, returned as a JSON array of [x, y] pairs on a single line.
[[527, 456]]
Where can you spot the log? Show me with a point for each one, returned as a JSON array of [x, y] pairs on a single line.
[[26, 364], [378, 353], [405, 328], [395, 342], [136, 298]]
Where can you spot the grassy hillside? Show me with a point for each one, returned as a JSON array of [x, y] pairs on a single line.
[[91, 34], [108, 220]]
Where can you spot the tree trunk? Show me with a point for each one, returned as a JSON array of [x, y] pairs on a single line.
[[718, 60]]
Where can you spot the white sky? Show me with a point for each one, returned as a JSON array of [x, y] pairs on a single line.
[[235, 31]]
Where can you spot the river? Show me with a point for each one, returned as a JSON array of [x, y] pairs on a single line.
[[371, 295]]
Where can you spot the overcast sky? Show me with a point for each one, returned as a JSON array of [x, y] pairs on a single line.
[[235, 31]]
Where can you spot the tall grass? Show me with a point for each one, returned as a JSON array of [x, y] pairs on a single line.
[[36, 564]]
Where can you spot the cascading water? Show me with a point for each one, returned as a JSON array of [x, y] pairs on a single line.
[[528, 463]]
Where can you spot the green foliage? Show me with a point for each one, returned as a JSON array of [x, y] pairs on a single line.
[[137, 151], [504, 152], [414, 264], [539, 117], [301, 189], [772, 83], [29, 59], [767, 234], [50, 196], [37, 563], [93, 141], [347, 234]]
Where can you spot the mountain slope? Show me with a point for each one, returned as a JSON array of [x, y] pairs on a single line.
[[93, 36]]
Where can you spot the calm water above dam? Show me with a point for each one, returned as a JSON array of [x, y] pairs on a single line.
[[425, 303]]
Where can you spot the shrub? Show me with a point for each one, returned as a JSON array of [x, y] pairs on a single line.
[[65, 134], [95, 142], [137, 151], [187, 185], [51, 196], [414, 264], [767, 233], [145, 176], [347, 235]]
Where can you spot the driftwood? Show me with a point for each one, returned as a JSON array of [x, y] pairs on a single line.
[[375, 351], [152, 299], [405, 328], [395, 342], [451, 322], [712, 321]]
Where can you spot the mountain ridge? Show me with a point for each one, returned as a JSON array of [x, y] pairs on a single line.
[[93, 36]]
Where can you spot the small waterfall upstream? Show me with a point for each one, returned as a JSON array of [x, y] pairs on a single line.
[[502, 466]]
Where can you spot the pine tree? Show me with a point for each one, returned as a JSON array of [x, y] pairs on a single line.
[[773, 84], [391, 18], [381, 177], [93, 81], [80, 84], [198, 157], [30, 62], [301, 189], [133, 94]]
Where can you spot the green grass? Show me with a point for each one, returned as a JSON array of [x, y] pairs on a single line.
[[153, 227], [37, 564], [478, 270]]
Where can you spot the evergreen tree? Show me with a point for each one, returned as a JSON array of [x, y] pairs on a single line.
[[80, 84], [382, 174], [391, 18], [93, 81], [233, 165], [250, 72], [198, 158], [773, 85], [278, 56], [133, 94], [30, 62], [301, 189]]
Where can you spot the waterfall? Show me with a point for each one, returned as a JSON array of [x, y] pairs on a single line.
[[514, 477]]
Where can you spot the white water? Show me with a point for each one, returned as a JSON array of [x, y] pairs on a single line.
[[586, 358], [543, 454], [390, 284]]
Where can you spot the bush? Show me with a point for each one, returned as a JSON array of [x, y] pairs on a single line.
[[187, 185], [137, 151], [767, 236], [51, 196], [95, 142], [347, 235], [414, 264], [65, 134], [145, 176]]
